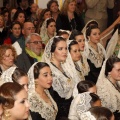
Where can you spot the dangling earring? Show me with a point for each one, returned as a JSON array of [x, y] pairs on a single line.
[[36, 83], [7, 115], [52, 57]]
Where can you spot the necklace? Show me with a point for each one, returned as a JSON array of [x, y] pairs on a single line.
[[60, 70]]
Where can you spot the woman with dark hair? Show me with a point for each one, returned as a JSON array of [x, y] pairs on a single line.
[[48, 30], [55, 55], [95, 52], [15, 33], [98, 113], [14, 74], [42, 105], [82, 103], [79, 37], [108, 87], [45, 14], [84, 86], [20, 16], [15, 104]]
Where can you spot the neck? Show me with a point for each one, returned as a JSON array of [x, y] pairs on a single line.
[[40, 90], [4, 67], [112, 80], [50, 36], [70, 15], [93, 45], [57, 64]]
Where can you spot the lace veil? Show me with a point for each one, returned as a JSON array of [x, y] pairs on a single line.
[[31, 87], [65, 82], [79, 105], [87, 116], [7, 75], [43, 30], [112, 44]]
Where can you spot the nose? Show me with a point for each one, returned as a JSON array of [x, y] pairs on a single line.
[[27, 104], [50, 78], [26, 88]]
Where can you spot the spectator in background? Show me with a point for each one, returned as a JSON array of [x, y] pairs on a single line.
[[45, 13], [53, 6], [33, 16], [23, 5], [71, 19], [32, 53], [28, 27], [97, 10], [15, 34], [7, 57], [19, 16]]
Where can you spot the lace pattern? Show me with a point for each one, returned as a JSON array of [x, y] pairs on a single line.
[[87, 116], [63, 85], [79, 105], [7, 75], [96, 57], [38, 105], [109, 93]]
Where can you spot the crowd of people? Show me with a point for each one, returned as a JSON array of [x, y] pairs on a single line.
[[58, 65]]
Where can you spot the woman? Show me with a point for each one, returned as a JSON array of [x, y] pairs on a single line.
[[55, 55], [82, 103], [64, 33], [95, 53], [111, 80], [14, 74], [7, 57], [45, 14], [71, 19], [97, 9], [42, 106], [19, 16], [48, 30], [86, 86], [79, 37], [15, 33], [15, 104], [98, 113]]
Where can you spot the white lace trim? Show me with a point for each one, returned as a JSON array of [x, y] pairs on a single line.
[[38, 105], [110, 97], [87, 116], [79, 105], [96, 57], [63, 85]]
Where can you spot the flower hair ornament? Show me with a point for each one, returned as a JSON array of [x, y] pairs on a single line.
[[87, 116], [7, 75]]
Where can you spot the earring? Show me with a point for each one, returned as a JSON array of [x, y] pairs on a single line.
[[36, 83], [52, 57], [7, 115]]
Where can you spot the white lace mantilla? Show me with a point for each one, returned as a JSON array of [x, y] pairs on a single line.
[[38, 105], [62, 84], [79, 105], [87, 116], [96, 57], [109, 95], [84, 65]]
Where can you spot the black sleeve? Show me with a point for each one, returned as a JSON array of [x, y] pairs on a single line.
[[36, 116]]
